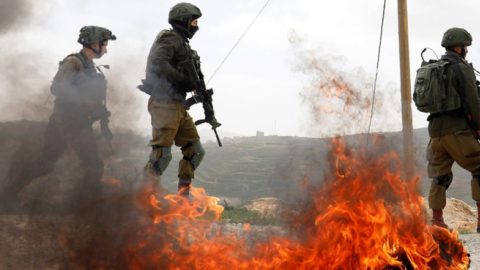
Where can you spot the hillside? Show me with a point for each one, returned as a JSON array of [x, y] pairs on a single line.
[[245, 168]]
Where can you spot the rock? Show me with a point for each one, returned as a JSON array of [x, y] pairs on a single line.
[[267, 206]]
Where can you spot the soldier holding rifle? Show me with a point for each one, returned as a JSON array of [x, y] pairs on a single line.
[[173, 70]]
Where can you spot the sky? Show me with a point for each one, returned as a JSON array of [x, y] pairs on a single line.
[[273, 81]]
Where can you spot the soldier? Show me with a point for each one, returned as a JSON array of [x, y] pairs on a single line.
[[454, 131], [80, 89], [167, 84]]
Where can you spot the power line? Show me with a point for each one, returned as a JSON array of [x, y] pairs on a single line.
[[376, 72], [238, 41]]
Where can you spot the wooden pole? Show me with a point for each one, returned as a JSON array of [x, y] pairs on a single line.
[[408, 151]]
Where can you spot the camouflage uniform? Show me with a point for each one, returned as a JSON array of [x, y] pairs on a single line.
[[452, 137], [76, 84], [167, 85]]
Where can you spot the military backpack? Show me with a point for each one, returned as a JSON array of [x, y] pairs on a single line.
[[433, 93]]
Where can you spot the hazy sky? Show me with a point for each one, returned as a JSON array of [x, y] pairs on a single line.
[[268, 82]]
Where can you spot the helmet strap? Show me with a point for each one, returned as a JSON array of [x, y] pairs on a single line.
[[98, 53], [463, 53], [189, 25], [185, 30]]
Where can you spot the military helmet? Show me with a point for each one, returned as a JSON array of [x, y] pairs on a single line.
[[183, 11], [92, 34], [456, 37]]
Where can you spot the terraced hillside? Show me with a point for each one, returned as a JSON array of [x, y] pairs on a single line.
[[245, 168]]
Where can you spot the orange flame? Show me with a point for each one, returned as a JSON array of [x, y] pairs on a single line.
[[363, 216]]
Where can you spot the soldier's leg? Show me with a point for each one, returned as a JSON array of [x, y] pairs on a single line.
[[159, 159], [440, 169], [55, 143], [437, 198], [165, 121], [188, 139], [465, 149], [193, 154], [86, 148]]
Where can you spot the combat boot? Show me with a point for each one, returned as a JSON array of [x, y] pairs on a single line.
[[184, 187], [478, 217], [437, 219]]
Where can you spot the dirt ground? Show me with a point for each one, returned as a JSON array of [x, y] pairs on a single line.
[[34, 241], [458, 215]]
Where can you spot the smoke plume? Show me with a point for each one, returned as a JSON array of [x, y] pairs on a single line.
[[24, 72], [13, 13], [340, 100], [126, 103]]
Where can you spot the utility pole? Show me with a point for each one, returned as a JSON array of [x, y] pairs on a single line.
[[408, 151]]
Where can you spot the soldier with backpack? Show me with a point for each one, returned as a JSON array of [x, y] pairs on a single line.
[[447, 90]]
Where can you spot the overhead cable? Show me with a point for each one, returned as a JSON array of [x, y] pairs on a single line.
[[238, 41], [376, 72]]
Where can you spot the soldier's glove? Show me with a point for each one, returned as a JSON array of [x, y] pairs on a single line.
[[214, 123], [186, 84]]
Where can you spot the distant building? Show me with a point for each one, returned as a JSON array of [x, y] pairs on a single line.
[[260, 134]]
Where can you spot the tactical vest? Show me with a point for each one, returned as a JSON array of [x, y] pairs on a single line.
[[193, 55], [161, 88], [91, 81], [89, 84]]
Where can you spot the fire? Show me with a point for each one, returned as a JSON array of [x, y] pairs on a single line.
[[363, 216]]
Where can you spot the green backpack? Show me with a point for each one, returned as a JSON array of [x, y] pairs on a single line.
[[429, 92], [432, 93]]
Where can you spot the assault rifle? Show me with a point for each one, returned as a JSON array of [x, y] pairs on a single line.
[[103, 113], [106, 132], [201, 94]]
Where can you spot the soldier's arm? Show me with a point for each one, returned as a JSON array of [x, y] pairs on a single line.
[[165, 48], [471, 93], [62, 85]]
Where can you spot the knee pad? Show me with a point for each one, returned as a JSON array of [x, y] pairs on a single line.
[[199, 153], [444, 180], [165, 156]]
